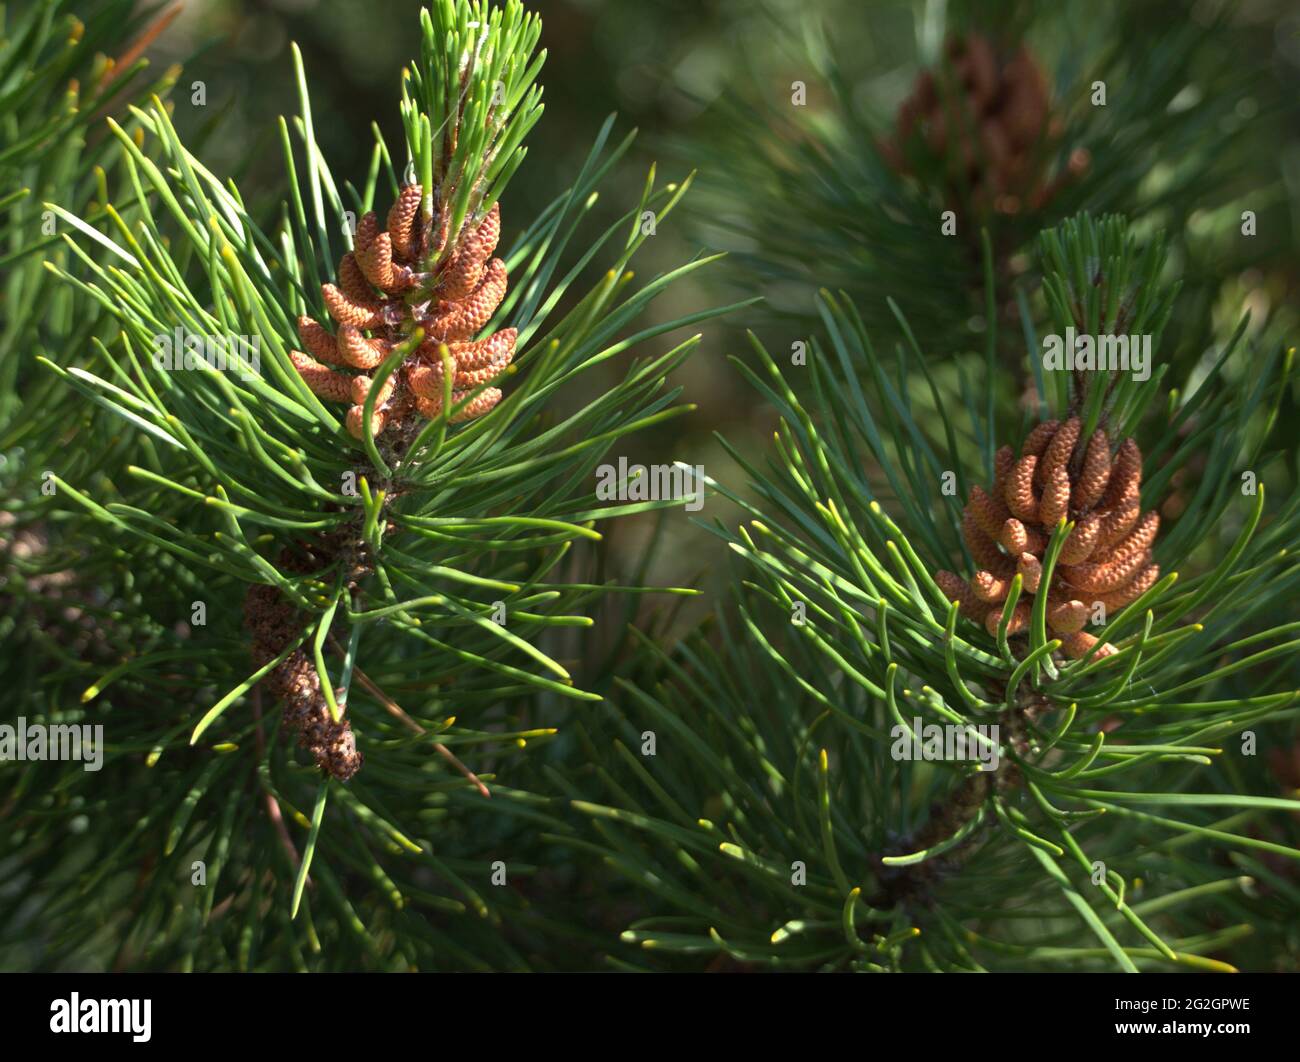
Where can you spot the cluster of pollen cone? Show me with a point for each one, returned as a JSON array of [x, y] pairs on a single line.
[[381, 296], [993, 124], [1105, 560]]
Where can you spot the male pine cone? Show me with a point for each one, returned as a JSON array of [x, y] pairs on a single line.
[[989, 117], [382, 296], [1105, 561]]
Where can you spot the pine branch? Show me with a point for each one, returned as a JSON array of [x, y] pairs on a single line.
[[428, 547], [857, 642], [1004, 129]]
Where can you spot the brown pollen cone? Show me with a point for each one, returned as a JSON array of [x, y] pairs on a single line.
[[398, 278], [988, 115], [1107, 558]]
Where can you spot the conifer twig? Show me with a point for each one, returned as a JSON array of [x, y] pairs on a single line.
[[396, 709]]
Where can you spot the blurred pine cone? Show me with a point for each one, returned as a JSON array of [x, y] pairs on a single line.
[[987, 121]]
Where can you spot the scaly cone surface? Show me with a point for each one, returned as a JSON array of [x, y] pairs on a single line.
[[1105, 561], [383, 293], [274, 623]]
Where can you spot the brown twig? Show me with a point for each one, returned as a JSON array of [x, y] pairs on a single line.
[[395, 709], [272, 804], [150, 34]]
